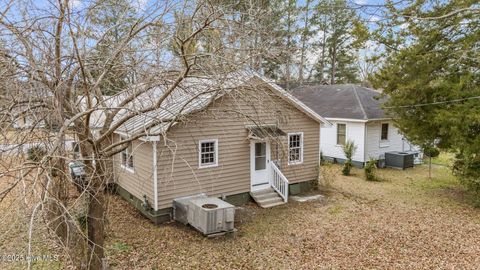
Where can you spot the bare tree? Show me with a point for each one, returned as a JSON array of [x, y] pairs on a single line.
[[50, 51]]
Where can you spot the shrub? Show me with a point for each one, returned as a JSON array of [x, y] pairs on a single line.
[[326, 174], [347, 166], [467, 168], [431, 152], [36, 153], [371, 170], [349, 150]]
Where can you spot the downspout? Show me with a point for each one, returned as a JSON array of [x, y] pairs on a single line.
[[155, 177], [365, 143], [320, 144]]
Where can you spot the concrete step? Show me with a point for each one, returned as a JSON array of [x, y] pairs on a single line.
[[270, 200], [272, 204], [267, 198], [262, 191]]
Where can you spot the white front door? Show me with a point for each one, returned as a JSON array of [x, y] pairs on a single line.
[[259, 164]]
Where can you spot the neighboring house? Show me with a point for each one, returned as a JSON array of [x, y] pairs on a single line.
[[29, 113], [247, 138], [356, 114]]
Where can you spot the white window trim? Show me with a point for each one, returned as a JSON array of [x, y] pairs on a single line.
[[296, 162], [125, 166], [200, 166], [336, 133], [388, 132], [128, 169]]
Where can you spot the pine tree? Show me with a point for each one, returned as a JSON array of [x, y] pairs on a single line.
[[306, 34], [284, 32], [115, 18], [431, 74], [340, 33]]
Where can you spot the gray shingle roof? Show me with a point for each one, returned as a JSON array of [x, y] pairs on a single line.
[[342, 101]]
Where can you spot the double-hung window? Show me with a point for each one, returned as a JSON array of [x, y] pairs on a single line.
[[341, 134], [384, 135], [127, 156], [208, 153], [295, 148]]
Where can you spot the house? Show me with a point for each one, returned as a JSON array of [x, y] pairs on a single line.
[[356, 114], [29, 112], [234, 139]]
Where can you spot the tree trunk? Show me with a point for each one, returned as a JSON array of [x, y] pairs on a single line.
[[304, 43], [430, 168], [332, 71], [96, 224]]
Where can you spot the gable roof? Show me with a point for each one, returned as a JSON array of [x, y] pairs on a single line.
[[346, 101], [191, 95]]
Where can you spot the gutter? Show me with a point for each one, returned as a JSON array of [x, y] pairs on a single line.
[[347, 120]]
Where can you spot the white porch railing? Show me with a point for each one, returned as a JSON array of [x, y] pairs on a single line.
[[278, 181]]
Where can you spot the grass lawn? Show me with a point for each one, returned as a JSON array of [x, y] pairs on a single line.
[[445, 159], [403, 222]]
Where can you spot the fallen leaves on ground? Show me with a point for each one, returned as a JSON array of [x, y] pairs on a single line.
[[403, 222]]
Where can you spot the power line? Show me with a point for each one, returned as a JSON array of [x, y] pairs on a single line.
[[433, 103]]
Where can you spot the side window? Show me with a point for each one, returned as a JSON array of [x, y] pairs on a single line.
[[295, 148], [341, 134], [208, 153], [384, 135], [127, 156]]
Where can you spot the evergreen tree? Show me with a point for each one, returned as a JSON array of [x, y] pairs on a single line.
[[340, 33], [115, 18], [432, 75], [306, 34], [284, 32]]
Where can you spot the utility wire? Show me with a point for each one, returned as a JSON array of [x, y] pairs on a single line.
[[433, 103]]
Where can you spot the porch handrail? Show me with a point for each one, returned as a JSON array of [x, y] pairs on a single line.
[[278, 181]]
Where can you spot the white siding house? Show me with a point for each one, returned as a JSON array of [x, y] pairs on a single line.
[[356, 114], [354, 131]]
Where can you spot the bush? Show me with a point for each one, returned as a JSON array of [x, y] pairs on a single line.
[[371, 170], [347, 166], [327, 174], [36, 153], [431, 151], [467, 168], [349, 150]]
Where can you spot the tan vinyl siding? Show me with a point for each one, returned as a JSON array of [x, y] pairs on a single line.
[[139, 182], [225, 120]]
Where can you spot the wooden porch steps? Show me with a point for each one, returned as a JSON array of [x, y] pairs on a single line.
[[267, 198]]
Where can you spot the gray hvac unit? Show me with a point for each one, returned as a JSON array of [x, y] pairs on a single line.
[[381, 161], [417, 157], [211, 215], [180, 207], [399, 160]]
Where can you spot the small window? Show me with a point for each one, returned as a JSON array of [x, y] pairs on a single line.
[[295, 148], [127, 156], [341, 134], [384, 135], [260, 156], [208, 153]]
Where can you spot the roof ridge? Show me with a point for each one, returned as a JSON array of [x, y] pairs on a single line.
[[359, 102]]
